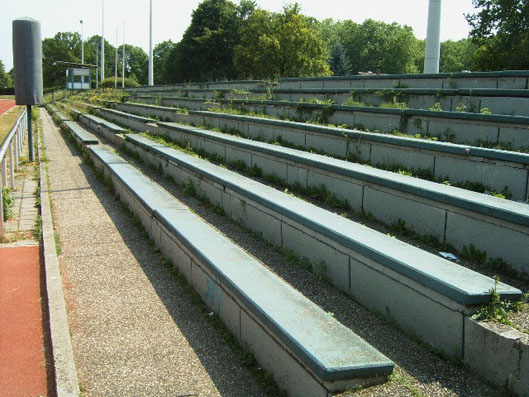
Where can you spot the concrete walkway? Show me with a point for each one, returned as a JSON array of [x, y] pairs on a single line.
[[24, 210], [134, 331]]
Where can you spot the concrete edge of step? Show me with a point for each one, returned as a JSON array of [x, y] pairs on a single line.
[[65, 372]]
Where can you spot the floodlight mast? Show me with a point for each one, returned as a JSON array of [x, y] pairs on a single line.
[[150, 46], [102, 40], [116, 62], [123, 59], [433, 38], [82, 42]]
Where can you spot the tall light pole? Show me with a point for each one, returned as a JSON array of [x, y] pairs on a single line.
[[116, 62], [433, 38], [123, 59], [150, 46], [82, 42], [102, 40], [97, 66]]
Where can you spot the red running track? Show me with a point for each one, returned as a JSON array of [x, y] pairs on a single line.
[[6, 104], [22, 354]]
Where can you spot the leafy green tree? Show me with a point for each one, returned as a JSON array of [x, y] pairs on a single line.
[[280, 44], [457, 56], [501, 30], [136, 63], [340, 65], [206, 49], [92, 46], [6, 80], [246, 8], [161, 53], [378, 46], [64, 46]]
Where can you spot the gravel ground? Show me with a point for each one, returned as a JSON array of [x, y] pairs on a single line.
[[419, 372], [134, 330]]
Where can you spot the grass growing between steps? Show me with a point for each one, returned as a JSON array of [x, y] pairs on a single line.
[[425, 174], [501, 311], [320, 196]]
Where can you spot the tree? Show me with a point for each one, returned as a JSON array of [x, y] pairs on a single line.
[[64, 46], [206, 49], [285, 44], [457, 56], [136, 63], [340, 65], [378, 46], [501, 30], [161, 53], [6, 80]]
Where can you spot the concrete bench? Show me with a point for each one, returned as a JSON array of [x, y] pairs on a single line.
[[236, 84], [458, 163], [59, 116], [457, 127], [507, 79], [461, 217], [98, 122], [81, 135], [426, 295], [308, 352], [496, 101], [108, 130]]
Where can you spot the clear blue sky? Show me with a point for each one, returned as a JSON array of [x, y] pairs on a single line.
[[171, 17]]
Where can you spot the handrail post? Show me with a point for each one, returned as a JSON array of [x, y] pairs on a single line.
[[30, 134], [15, 150], [4, 172], [11, 167]]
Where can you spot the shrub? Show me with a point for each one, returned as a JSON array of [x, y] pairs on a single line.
[[109, 82]]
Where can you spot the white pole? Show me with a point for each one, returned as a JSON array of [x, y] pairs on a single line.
[[116, 62], [123, 59], [102, 40], [150, 47], [97, 67], [82, 42], [433, 38]]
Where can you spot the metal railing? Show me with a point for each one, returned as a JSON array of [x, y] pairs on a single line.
[[12, 147]]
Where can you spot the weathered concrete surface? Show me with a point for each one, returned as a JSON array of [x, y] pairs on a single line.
[[499, 353], [134, 331]]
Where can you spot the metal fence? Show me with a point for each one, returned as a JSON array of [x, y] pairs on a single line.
[[12, 148]]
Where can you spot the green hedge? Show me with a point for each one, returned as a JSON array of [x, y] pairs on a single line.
[[109, 82]]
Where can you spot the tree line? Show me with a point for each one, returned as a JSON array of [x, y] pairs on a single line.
[[227, 40]]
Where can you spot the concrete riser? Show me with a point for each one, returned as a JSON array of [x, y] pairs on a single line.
[[500, 239], [376, 83], [435, 319], [456, 130], [460, 227], [500, 354], [513, 106], [271, 354], [495, 174]]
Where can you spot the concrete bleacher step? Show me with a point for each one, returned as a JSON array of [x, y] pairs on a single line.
[[507, 79], [426, 295], [102, 126], [500, 362], [81, 135], [458, 127], [477, 100], [308, 352], [461, 217], [496, 169]]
